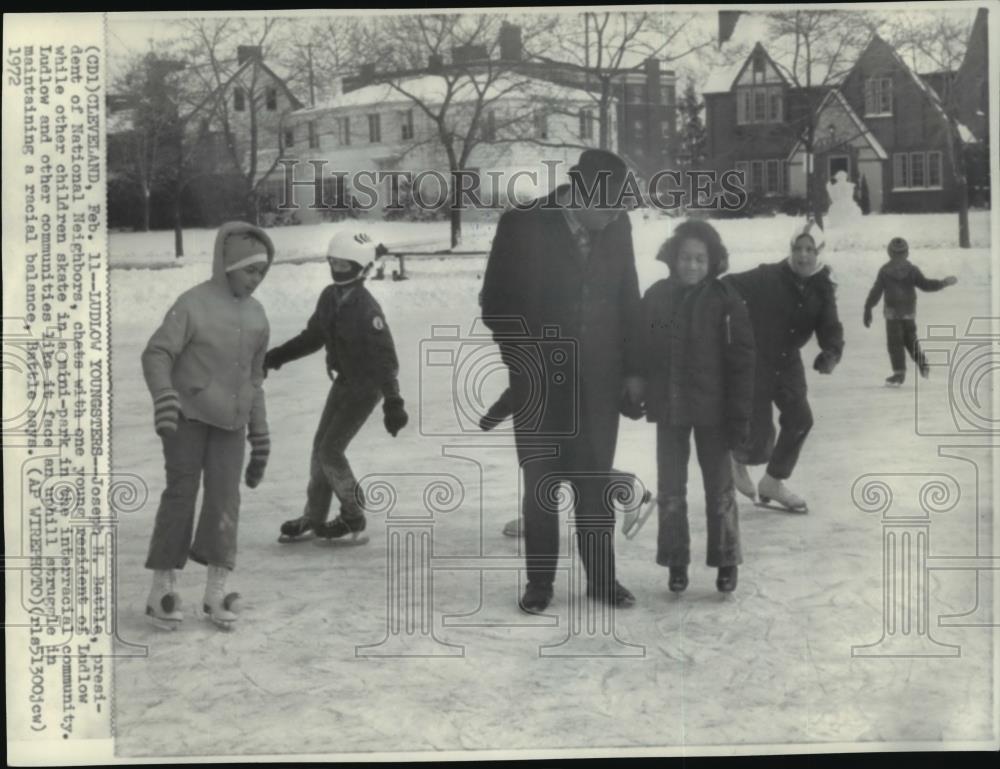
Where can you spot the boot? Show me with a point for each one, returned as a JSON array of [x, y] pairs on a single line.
[[742, 482], [342, 527], [726, 581], [219, 606], [678, 579], [536, 598], [163, 606], [897, 378], [513, 528], [773, 489]]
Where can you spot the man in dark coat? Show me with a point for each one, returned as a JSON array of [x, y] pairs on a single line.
[[788, 301], [561, 297]]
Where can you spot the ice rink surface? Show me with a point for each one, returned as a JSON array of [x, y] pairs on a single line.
[[770, 664]]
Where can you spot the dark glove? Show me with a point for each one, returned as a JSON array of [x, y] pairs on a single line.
[[825, 362], [271, 361], [395, 415], [739, 434], [868, 317], [260, 450], [633, 396]]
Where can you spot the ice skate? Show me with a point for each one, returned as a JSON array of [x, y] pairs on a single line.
[[896, 379], [776, 496], [633, 505], [163, 606], [346, 531], [743, 482], [512, 528], [726, 581], [219, 606], [678, 579], [536, 598], [296, 530]]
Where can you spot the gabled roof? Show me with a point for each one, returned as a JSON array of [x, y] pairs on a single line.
[[296, 104], [834, 95]]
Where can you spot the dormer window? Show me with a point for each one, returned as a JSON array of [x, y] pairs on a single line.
[[760, 104], [878, 96]]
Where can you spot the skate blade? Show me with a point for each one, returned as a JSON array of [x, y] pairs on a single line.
[[632, 522], [162, 623], [349, 541], [287, 539], [767, 504]]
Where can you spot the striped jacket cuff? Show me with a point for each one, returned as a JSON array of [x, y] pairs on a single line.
[[166, 410], [260, 446]]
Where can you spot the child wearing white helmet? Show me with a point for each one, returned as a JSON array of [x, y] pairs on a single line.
[[361, 360]]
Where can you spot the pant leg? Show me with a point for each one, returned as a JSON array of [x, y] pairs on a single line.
[[542, 479], [721, 510], [215, 539], [795, 420], [894, 337], [673, 539], [319, 492], [911, 343], [353, 404], [183, 454], [760, 444], [594, 515]]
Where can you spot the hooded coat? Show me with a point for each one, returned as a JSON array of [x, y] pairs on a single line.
[[898, 279], [209, 350], [568, 324]]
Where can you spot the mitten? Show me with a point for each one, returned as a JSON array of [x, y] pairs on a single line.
[[738, 433], [868, 317], [630, 408], [166, 412], [395, 415], [271, 361], [951, 280], [633, 396], [260, 449], [825, 362]]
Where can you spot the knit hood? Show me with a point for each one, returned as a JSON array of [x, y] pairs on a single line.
[[219, 255]]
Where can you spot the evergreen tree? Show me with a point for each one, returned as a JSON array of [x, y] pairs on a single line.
[[864, 201], [692, 130]]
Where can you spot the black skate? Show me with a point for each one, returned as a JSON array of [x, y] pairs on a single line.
[[895, 380], [346, 531], [296, 530]]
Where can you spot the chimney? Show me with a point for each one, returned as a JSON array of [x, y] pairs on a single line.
[[510, 42], [367, 72], [464, 54], [435, 63], [245, 53]]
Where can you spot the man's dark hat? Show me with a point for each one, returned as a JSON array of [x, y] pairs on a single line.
[[593, 162]]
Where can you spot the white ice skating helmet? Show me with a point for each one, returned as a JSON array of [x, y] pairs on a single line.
[[358, 249]]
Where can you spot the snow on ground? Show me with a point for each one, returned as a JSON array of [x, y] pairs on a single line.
[[769, 664]]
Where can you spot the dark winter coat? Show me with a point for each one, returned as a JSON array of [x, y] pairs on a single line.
[[582, 317], [699, 354], [898, 279], [785, 311], [358, 343]]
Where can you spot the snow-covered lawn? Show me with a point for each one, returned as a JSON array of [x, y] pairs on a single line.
[[770, 664]]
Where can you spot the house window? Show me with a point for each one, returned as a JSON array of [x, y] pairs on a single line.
[[916, 171], [289, 137], [638, 131], [772, 184], [933, 169], [759, 65], [744, 168], [586, 124], [406, 125], [743, 111], [239, 99], [344, 130], [667, 95], [634, 94], [775, 111], [756, 176], [878, 96], [759, 105], [541, 125], [488, 127], [313, 136], [666, 129], [271, 98], [374, 129]]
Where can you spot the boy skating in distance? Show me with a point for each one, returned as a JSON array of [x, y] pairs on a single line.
[[349, 323], [898, 279], [205, 370]]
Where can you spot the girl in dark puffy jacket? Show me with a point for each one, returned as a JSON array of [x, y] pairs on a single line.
[[699, 378]]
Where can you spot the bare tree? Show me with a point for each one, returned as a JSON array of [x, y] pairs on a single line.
[[598, 48], [815, 50], [938, 40]]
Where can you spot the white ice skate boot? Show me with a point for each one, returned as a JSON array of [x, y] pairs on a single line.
[[771, 489], [163, 607], [743, 482], [219, 606]]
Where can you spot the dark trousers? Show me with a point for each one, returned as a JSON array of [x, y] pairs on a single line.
[[196, 450], [347, 408], [786, 389], [673, 451], [901, 338], [547, 482]]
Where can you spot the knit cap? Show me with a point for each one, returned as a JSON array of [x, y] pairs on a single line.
[[898, 247], [241, 249]]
